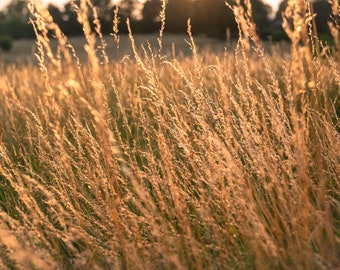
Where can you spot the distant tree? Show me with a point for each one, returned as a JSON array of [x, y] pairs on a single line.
[[104, 10], [127, 7], [177, 13], [2, 18], [105, 13], [103, 6], [150, 15], [17, 28], [282, 7], [322, 10], [277, 32], [15, 20], [57, 15], [323, 15], [69, 23], [320, 7], [261, 13], [18, 9], [213, 17]]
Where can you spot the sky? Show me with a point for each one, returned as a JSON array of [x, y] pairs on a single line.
[[3, 3]]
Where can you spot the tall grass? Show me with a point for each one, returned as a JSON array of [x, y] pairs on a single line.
[[225, 160]]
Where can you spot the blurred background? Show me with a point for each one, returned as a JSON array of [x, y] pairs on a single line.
[[210, 18]]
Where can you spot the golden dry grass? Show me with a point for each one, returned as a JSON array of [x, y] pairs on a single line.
[[224, 160]]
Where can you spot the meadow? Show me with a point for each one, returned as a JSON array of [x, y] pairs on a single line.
[[222, 156], [23, 50]]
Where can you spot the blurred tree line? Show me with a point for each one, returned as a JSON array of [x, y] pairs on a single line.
[[210, 17]]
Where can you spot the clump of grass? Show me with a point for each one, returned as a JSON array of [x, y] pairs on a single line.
[[218, 160]]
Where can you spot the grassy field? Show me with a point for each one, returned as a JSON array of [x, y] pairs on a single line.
[[23, 50], [170, 159]]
